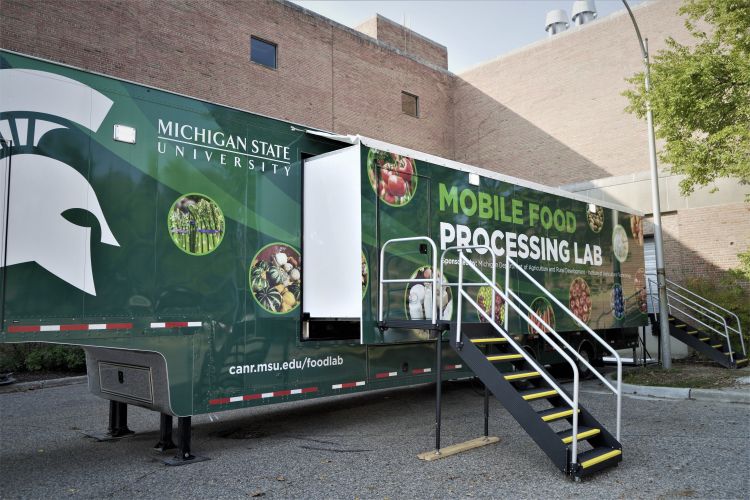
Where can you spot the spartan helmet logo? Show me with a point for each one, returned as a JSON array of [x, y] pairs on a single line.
[[41, 188]]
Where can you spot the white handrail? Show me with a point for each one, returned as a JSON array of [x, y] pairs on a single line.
[[519, 349], [601, 377], [707, 313], [738, 330], [381, 281], [615, 354], [460, 249]]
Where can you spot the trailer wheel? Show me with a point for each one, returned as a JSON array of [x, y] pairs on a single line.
[[586, 351]]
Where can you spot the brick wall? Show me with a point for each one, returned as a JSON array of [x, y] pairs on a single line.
[[406, 40], [552, 111], [328, 76], [704, 242]]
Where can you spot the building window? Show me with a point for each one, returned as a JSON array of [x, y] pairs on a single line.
[[410, 104], [263, 52]]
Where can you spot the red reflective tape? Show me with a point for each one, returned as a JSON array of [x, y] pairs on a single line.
[[24, 329], [219, 401], [119, 326], [69, 328], [175, 324], [382, 375], [348, 385], [282, 393], [250, 397], [309, 389]]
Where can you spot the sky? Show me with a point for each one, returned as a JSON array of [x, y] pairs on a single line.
[[474, 31]]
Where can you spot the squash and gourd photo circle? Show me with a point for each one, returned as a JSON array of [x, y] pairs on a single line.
[[276, 278], [196, 224]]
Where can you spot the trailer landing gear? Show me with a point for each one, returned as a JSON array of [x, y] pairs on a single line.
[[118, 423], [165, 433], [184, 456]]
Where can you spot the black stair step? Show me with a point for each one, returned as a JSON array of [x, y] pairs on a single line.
[[583, 433], [416, 324], [538, 393], [552, 414], [738, 362], [598, 455]]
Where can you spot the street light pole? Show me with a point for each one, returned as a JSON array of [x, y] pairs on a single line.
[[666, 351]]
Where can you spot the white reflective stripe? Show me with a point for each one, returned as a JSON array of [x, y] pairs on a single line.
[[459, 366], [235, 399], [337, 386], [49, 328], [360, 384], [158, 325], [296, 391], [98, 326], [266, 395], [195, 323], [427, 370], [392, 374]]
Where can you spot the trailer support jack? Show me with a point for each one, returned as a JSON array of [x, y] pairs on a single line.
[[118, 423], [165, 433], [184, 457]]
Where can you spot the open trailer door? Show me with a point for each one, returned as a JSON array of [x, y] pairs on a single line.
[[332, 246]]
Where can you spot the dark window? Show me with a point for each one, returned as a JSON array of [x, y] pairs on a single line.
[[410, 104], [263, 52]]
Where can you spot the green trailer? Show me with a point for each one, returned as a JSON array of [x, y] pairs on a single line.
[[209, 259]]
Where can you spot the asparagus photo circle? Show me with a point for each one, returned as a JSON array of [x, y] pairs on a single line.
[[365, 275], [276, 278], [196, 224]]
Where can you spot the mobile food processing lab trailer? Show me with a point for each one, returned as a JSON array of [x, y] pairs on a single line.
[[209, 259]]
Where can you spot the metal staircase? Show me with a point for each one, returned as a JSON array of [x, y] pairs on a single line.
[[576, 442], [710, 329]]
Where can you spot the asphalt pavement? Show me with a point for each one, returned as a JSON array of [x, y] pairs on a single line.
[[365, 446]]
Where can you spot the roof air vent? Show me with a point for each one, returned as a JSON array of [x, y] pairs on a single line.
[[556, 22], [584, 11]]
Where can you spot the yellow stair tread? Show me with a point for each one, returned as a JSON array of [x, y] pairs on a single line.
[[548, 417], [705, 339], [692, 332], [538, 395], [488, 340], [680, 325], [601, 458], [520, 375], [504, 357], [581, 435], [717, 346]]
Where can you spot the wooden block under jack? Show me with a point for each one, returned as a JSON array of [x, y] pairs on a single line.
[[458, 448]]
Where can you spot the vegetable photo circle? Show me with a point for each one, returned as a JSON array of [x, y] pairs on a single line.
[[276, 278], [196, 224], [392, 176], [418, 297], [543, 308]]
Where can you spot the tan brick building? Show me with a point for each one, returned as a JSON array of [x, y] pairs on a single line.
[[550, 112]]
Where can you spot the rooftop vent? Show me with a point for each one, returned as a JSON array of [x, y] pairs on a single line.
[[584, 11], [556, 22]]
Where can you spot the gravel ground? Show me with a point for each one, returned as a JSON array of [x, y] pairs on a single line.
[[364, 446]]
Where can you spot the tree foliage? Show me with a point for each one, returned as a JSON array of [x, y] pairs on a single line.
[[700, 95]]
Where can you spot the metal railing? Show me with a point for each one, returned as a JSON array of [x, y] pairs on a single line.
[[462, 294], [679, 300], [616, 390], [459, 249], [433, 279]]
